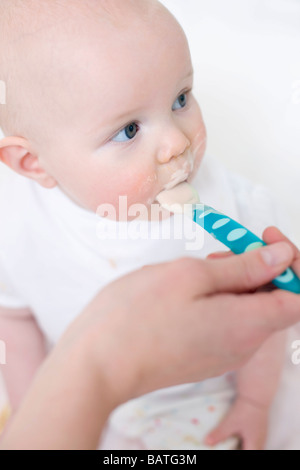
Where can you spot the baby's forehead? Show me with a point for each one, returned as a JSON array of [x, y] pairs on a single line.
[[32, 16], [57, 27], [61, 49]]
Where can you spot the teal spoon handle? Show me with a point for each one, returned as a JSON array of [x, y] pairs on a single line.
[[239, 240]]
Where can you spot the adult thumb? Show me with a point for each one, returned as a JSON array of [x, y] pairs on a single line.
[[247, 271]]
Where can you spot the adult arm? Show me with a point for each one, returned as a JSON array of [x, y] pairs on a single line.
[[25, 351], [160, 326]]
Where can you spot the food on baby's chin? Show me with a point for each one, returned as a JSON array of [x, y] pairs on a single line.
[[174, 200]]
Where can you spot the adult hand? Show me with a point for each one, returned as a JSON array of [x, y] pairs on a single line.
[[163, 325], [271, 235]]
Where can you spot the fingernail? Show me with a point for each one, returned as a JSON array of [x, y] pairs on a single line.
[[277, 254]]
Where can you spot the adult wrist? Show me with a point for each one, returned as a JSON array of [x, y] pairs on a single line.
[[106, 353]]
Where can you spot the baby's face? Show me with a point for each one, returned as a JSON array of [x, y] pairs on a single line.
[[129, 123]]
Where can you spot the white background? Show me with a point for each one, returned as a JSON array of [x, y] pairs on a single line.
[[246, 56]]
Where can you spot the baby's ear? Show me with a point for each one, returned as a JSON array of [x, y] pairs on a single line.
[[15, 152]]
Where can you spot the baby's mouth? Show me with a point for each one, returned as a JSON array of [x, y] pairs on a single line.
[[177, 178], [182, 174]]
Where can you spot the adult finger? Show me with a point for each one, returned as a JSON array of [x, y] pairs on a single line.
[[274, 235], [242, 323], [244, 272], [219, 254], [267, 312]]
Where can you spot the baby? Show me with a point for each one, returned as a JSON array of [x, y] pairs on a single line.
[[99, 105]]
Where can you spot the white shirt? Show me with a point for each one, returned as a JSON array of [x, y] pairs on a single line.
[[54, 258]]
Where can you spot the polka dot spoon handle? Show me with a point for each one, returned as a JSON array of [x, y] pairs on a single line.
[[239, 240]]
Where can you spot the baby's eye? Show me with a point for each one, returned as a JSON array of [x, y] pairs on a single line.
[[180, 102], [128, 133]]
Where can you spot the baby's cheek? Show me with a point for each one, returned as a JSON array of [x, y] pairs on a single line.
[[199, 147], [128, 192], [139, 187], [197, 163]]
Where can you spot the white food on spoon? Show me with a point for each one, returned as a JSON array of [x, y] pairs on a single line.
[[179, 198]]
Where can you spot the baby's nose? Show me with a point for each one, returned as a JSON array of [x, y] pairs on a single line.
[[173, 144]]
